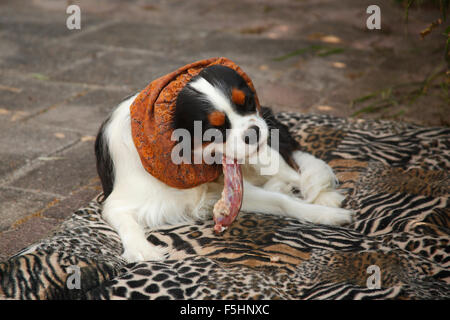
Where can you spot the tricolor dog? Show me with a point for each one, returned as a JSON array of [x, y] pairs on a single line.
[[145, 184]]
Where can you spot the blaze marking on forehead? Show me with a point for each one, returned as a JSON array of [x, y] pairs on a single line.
[[216, 118], [238, 96]]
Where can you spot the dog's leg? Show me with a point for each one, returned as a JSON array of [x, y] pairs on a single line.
[[317, 180], [135, 244], [260, 200]]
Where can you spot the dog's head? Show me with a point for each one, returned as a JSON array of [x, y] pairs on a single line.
[[220, 112]]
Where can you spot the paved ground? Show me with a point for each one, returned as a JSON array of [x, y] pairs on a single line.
[[57, 85]]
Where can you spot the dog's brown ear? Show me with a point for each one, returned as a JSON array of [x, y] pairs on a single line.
[[238, 96]]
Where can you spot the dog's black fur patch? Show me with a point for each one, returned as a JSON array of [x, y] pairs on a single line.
[[190, 107], [227, 79], [104, 163], [287, 144], [105, 166]]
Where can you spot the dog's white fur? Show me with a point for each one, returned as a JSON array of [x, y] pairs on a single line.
[[139, 200]]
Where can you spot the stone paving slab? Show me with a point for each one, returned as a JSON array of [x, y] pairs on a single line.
[[85, 113], [63, 172], [17, 204], [35, 215], [30, 231], [36, 58], [25, 142], [130, 69], [30, 94]]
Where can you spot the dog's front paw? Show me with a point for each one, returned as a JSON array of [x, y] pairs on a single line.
[[330, 199], [317, 183], [142, 250], [335, 216]]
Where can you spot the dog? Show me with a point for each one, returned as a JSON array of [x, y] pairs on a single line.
[[220, 99]]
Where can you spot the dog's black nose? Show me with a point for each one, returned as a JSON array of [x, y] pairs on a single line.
[[251, 135]]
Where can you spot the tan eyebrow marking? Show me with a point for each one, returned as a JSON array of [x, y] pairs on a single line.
[[238, 96], [216, 118]]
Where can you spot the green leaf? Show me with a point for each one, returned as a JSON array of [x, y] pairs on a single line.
[[364, 98], [330, 52], [39, 76], [297, 52], [371, 109], [408, 5]]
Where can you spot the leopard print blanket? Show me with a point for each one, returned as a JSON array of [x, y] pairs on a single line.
[[396, 177]]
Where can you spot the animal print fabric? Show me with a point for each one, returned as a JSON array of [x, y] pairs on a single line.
[[395, 176]]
